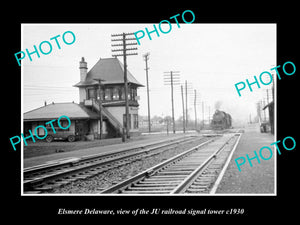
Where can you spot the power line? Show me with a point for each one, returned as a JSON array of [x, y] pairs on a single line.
[[124, 52], [42, 86], [195, 108], [48, 91], [183, 114]]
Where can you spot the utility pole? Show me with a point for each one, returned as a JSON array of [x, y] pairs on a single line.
[[272, 112], [186, 104], [273, 87], [208, 115], [197, 103], [124, 53], [195, 107], [268, 106], [146, 57], [183, 116], [100, 107], [172, 78], [203, 113], [188, 91]]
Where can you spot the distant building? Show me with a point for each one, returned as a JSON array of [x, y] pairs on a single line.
[[85, 116], [270, 106]]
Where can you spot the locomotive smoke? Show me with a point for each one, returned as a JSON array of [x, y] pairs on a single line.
[[218, 105]]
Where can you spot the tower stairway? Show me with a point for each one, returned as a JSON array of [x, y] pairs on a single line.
[[114, 122]]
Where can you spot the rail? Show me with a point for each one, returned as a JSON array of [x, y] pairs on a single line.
[[193, 171], [123, 185], [38, 175]]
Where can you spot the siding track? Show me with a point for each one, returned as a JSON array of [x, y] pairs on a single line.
[[49, 176]]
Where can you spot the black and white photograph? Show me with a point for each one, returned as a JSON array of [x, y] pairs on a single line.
[[194, 100], [164, 113]]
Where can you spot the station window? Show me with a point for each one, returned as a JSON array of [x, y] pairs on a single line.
[[121, 93], [91, 93], [115, 94], [111, 93], [108, 94], [63, 123], [134, 94], [102, 95]]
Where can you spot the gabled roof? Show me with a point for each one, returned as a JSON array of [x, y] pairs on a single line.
[[56, 110], [111, 70]]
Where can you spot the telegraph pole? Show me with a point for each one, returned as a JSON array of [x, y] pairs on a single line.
[[268, 106], [188, 90], [272, 121], [186, 104], [124, 53], [195, 102], [173, 119], [203, 113], [183, 116], [146, 58], [100, 107], [208, 115], [172, 78], [273, 87]]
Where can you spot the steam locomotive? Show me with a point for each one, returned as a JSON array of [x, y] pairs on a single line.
[[221, 120]]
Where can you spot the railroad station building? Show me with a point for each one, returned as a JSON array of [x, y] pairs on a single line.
[[107, 99]]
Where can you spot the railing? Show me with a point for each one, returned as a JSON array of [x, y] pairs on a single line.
[[106, 113]]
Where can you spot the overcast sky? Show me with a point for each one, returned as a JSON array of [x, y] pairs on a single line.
[[211, 57]]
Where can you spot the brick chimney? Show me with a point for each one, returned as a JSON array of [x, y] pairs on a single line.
[[83, 69]]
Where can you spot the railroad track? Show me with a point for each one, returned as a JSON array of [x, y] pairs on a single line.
[[49, 176], [191, 172]]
